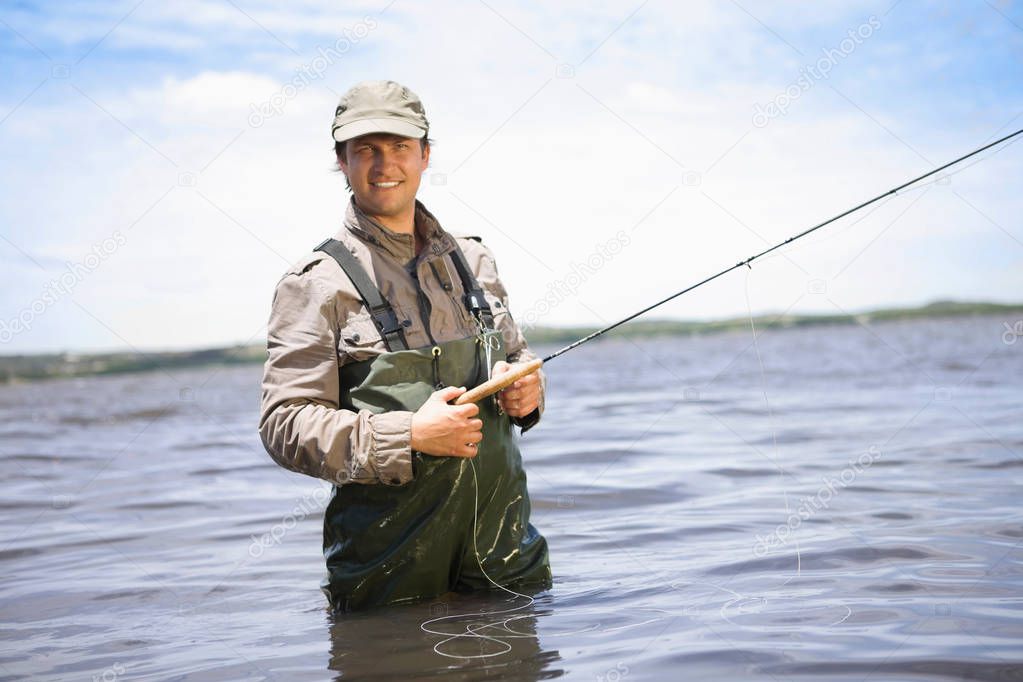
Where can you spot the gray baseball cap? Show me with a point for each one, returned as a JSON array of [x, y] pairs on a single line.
[[379, 107]]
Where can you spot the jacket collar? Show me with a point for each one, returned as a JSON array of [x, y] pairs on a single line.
[[398, 245]]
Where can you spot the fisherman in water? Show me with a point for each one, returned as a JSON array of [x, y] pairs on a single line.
[[370, 338]]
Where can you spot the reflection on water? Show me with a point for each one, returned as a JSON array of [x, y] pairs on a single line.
[[866, 525]]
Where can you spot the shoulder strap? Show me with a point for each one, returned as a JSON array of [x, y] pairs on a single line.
[[474, 300], [379, 309]]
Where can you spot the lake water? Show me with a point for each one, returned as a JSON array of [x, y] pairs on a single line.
[[862, 523]]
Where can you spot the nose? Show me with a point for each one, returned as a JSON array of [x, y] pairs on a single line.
[[382, 159]]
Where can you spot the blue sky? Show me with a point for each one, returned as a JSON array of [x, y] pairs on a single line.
[[137, 165]]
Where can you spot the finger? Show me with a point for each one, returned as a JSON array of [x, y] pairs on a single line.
[[467, 451], [529, 383], [527, 394], [476, 424], [517, 394], [447, 393], [468, 410], [529, 401]]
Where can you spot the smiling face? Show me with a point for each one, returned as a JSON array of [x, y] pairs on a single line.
[[384, 171]]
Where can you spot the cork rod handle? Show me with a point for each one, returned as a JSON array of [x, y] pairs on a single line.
[[518, 370]]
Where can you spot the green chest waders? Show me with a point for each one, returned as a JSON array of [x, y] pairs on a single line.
[[389, 544]]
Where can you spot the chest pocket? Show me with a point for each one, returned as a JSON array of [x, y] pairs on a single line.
[[359, 338], [497, 309]]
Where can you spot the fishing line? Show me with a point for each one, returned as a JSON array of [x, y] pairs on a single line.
[[487, 339], [472, 631], [771, 424], [756, 346], [737, 598]]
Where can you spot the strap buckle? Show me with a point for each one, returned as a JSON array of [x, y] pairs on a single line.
[[386, 321]]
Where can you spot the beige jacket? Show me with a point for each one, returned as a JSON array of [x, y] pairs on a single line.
[[318, 322]]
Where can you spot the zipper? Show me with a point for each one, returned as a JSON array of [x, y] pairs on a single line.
[[424, 304]]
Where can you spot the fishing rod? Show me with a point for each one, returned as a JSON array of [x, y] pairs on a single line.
[[522, 369]]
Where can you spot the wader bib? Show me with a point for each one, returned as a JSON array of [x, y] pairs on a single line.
[[389, 544]]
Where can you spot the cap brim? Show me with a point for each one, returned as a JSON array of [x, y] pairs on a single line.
[[368, 126]]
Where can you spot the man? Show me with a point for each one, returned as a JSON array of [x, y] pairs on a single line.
[[371, 336]]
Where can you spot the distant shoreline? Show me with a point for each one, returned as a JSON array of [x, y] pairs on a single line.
[[23, 368]]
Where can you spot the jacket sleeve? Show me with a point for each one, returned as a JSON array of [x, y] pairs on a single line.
[[301, 424], [514, 340]]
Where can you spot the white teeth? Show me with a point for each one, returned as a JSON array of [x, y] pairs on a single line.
[[385, 184]]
